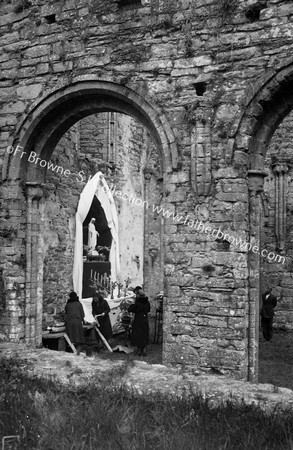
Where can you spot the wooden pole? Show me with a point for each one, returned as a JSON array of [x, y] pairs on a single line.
[[70, 343], [102, 337]]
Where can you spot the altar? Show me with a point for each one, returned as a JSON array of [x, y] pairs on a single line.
[[115, 314]]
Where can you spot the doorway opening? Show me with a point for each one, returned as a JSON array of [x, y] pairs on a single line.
[[275, 355], [121, 149], [257, 144], [51, 184]]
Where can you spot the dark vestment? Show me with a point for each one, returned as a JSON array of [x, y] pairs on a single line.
[[105, 324], [267, 315], [74, 319], [140, 324]]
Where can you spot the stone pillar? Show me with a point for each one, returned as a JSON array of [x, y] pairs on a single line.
[[153, 236], [280, 169], [255, 186], [201, 160], [34, 268], [146, 263]]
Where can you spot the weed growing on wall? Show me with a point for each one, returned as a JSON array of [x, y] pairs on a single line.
[[186, 28], [2, 291], [227, 10], [130, 53], [190, 114], [103, 7], [21, 6], [8, 233]]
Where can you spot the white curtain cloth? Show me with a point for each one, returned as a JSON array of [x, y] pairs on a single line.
[[97, 185]]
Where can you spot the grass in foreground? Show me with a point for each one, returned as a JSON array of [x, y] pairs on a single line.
[[48, 416]]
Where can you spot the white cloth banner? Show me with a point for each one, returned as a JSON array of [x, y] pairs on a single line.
[[97, 185]]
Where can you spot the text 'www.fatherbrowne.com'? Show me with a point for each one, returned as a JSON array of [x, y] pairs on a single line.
[[197, 225]]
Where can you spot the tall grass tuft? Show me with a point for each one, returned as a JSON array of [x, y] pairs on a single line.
[[49, 416]]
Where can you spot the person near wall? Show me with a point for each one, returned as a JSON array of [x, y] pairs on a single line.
[[74, 321], [100, 310], [136, 289], [140, 324], [269, 302]]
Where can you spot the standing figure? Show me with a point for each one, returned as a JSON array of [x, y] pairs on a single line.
[[101, 309], [74, 320], [269, 302], [140, 324], [92, 235], [136, 289]]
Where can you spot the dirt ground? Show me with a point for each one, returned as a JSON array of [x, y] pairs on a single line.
[[275, 357], [276, 360], [154, 351]]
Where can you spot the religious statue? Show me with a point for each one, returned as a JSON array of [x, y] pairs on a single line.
[[92, 236]]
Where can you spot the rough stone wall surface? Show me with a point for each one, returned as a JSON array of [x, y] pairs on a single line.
[[129, 181], [197, 64], [61, 200], [94, 135]]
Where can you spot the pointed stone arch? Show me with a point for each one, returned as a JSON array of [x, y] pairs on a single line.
[[39, 133], [264, 107], [57, 112]]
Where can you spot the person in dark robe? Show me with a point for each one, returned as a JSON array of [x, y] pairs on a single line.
[[269, 302], [136, 289], [74, 321], [140, 324], [100, 310]]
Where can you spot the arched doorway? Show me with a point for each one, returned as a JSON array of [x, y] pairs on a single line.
[[270, 102], [35, 142]]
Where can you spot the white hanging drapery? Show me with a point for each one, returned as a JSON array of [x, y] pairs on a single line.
[[96, 186]]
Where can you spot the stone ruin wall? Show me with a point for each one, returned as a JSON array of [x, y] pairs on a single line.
[[197, 64]]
